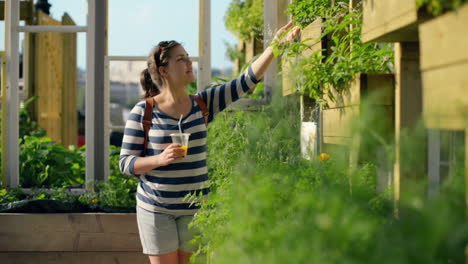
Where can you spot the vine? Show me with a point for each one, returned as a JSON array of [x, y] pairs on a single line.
[[346, 55]]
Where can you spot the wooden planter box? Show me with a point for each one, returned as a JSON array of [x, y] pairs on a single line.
[[444, 67], [70, 238], [338, 118], [389, 21]]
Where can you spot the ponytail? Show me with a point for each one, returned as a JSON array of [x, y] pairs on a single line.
[[150, 80], [147, 84]]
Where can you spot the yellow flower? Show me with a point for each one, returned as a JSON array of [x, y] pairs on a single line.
[[323, 156], [95, 201]]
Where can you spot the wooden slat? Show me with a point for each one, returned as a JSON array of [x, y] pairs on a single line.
[[351, 94], [408, 107], [289, 85], [249, 50], [337, 140], [74, 257], [445, 97], [70, 86], [337, 122], [381, 88], [444, 40], [389, 21], [466, 180], [49, 78], [312, 34], [342, 122], [69, 232], [444, 64]]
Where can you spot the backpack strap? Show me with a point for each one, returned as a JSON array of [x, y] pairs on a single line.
[[147, 120], [202, 105]]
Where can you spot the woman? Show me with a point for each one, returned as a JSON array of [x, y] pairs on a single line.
[[166, 175]]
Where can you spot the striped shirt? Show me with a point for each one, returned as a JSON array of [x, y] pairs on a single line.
[[163, 189]]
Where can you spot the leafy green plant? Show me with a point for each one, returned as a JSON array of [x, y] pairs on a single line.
[[244, 18], [11, 195], [345, 55], [46, 163], [305, 12], [28, 126], [437, 7], [118, 191]]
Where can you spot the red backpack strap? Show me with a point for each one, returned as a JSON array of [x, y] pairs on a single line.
[[147, 120], [202, 105]]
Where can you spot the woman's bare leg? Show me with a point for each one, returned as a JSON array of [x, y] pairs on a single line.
[[184, 257], [169, 258]]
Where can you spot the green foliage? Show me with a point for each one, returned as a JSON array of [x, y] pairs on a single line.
[[46, 163], [437, 7], [307, 11], [270, 206], [232, 53], [344, 55], [118, 191], [244, 18], [11, 195], [27, 126]]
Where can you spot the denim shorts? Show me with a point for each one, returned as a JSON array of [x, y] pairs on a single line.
[[162, 233]]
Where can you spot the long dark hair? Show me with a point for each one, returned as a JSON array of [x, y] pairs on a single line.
[[150, 80]]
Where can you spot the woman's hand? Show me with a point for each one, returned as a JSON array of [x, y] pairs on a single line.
[[283, 38], [172, 153], [260, 66]]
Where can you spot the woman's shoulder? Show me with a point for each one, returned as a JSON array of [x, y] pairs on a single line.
[[140, 105]]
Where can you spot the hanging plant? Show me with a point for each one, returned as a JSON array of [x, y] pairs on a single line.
[[437, 7], [345, 56]]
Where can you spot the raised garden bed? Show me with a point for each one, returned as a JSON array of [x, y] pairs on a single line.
[[390, 21], [340, 114], [444, 64], [70, 238]]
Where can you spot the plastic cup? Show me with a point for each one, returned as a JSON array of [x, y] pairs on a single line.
[[181, 138]]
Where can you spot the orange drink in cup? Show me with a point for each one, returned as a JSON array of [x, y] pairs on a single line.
[[182, 139]]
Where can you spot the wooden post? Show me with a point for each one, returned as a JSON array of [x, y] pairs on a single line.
[[11, 96], [466, 186], [70, 86], [408, 104], [28, 59], [4, 177], [49, 78], [274, 18], [204, 46], [96, 51]]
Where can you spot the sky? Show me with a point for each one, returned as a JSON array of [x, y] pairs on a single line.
[[136, 26]]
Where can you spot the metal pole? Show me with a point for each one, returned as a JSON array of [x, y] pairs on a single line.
[[90, 98], [12, 98]]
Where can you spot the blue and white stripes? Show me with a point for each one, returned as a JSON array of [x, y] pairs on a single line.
[[163, 189]]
